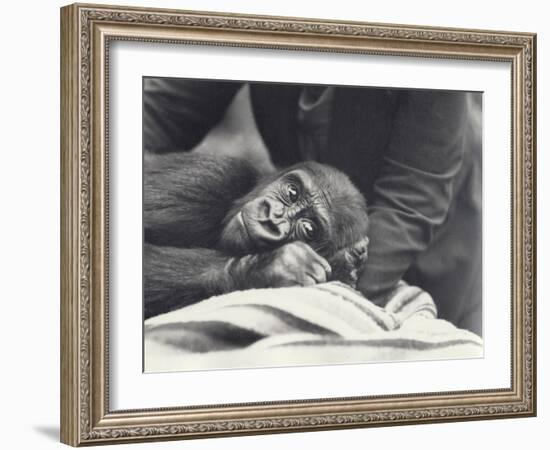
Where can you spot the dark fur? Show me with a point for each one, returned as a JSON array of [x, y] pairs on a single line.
[[187, 201], [186, 197]]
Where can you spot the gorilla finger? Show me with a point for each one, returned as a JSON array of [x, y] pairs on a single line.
[[309, 280], [314, 257], [325, 265], [287, 283], [318, 272], [360, 248]]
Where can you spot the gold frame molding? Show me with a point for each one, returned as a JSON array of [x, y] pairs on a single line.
[[86, 31]]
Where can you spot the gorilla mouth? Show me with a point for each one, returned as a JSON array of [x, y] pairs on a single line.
[[245, 231], [247, 227], [241, 221]]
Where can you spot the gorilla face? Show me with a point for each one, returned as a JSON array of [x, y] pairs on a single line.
[[310, 202]]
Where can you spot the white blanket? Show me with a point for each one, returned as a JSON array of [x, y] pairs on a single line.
[[325, 324]]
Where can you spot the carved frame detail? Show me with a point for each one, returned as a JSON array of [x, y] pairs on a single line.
[[87, 31]]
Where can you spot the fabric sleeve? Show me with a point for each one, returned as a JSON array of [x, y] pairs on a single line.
[[414, 188], [177, 113]]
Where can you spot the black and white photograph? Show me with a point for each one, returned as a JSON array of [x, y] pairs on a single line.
[[301, 224]]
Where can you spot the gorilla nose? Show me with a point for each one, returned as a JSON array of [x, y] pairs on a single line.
[[273, 225]]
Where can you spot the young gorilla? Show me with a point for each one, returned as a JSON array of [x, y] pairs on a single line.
[[214, 225]]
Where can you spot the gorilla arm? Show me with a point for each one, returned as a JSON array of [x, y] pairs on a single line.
[[176, 277]]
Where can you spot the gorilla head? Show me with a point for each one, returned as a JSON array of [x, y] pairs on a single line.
[[309, 202]]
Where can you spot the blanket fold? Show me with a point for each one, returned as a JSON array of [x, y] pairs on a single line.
[[329, 323]]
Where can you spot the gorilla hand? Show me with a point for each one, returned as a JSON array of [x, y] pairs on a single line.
[[293, 264], [346, 262]]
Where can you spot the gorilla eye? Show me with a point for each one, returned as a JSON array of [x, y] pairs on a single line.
[[292, 192], [307, 230]]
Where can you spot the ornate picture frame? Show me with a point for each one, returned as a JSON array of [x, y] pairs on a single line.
[[87, 31]]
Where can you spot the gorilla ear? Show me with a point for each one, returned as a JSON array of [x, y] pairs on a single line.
[[346, 262]]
